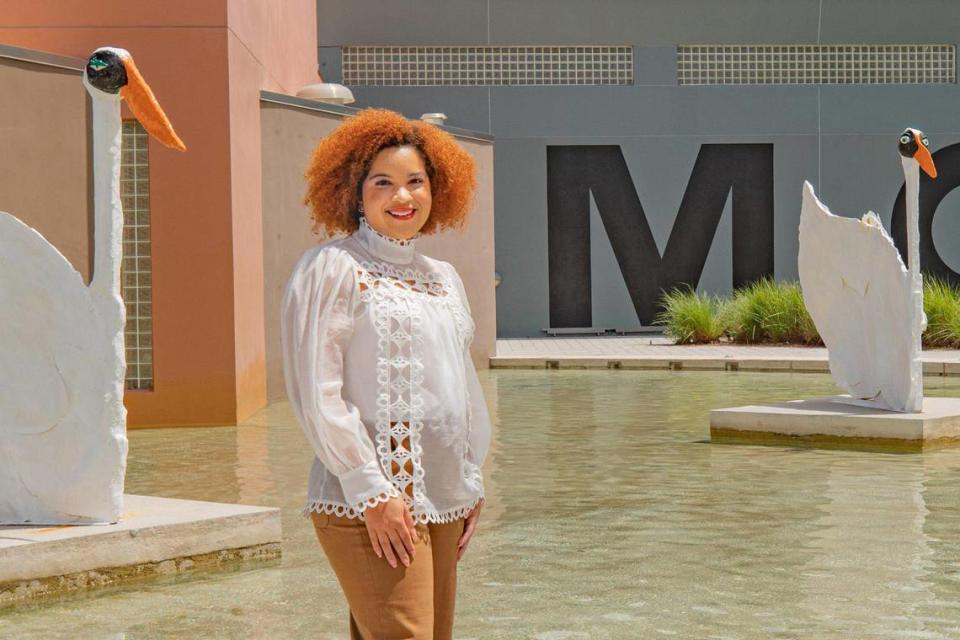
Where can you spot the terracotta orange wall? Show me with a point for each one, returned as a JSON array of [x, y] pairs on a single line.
[[35, 98], [205, 204], [281, 35], [247, 235], [267, 48], [57, 14]]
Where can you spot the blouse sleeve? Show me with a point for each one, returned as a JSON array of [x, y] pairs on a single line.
[[316, 321], [479, 416]]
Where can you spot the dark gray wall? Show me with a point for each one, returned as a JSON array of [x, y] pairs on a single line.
[[841, 138]]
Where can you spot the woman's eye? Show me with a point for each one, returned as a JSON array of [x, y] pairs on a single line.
[[904, 139], [417, 181], [382, 183]]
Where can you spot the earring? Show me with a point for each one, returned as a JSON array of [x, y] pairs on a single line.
[[360, 207]]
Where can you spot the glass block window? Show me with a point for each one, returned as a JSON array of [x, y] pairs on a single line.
[[426, 66], [817, 64], [135, 271]]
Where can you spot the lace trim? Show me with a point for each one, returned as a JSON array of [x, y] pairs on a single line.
[[342, 510], [355, 511], [396, 241], [382, 275], [364, 501], [451, 515], [377, 279], [399, 418]]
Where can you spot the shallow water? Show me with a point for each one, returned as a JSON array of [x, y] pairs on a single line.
[[608, 516]]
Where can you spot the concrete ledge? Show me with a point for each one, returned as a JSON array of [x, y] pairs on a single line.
[[934, 368], [156, 536], [830, 423], [810, 366]]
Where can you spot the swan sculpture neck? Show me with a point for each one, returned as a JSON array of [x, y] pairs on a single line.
[[107, 208], [911, 175]]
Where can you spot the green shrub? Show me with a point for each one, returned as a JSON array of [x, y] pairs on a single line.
[[941, 303], [690, 317], [772, 312]]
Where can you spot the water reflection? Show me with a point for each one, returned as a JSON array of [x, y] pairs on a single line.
[[867, 554], [608, 516]]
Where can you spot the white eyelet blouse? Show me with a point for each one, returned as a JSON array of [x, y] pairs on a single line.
[[376, 354]]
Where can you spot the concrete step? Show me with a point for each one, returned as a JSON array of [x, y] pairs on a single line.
[[156, 536]]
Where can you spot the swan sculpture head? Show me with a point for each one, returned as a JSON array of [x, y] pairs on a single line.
[[111, 74], [914, 144]]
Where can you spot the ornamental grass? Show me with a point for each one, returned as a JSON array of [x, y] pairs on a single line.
[[690, 317], [941, 303], [771, 312], [766, 311]]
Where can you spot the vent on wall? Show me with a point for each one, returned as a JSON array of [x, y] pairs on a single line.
[[426, 66], [817, 64], [136, 268]]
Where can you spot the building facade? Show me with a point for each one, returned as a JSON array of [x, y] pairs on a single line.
[[646, 145]]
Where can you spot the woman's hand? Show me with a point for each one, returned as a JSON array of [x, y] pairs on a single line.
[[392, 531], [469, 525]]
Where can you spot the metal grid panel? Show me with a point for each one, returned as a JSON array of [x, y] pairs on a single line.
[[426, 66], [817, 64], [136, 269]]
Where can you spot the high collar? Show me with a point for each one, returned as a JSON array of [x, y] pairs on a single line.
[[384, 247]]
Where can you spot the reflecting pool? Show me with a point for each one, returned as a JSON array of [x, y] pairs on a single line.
[[608, 516]]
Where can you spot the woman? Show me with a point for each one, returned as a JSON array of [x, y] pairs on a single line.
[[376, 357]]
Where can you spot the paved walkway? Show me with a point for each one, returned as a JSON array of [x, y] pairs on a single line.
[[657, 352]]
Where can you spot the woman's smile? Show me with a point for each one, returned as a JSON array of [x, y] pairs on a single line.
[[402, 213]]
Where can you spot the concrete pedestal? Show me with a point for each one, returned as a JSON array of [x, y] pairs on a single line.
[[827, 423], [156, 536]]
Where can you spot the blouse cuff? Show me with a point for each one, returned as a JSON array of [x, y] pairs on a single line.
[[366, 486]]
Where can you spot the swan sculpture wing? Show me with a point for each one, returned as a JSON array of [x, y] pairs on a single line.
[[39, 290], [857, 291], [55, 371]]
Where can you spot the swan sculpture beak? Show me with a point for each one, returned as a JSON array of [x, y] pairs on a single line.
[[145, 107], [923, 157]]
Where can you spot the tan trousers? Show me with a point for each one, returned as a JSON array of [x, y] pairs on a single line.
[[406, 603]]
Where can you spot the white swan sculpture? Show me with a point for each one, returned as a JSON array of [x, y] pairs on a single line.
[[63, 441], [868, 306]]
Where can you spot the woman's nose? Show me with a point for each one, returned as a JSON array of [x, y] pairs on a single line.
[[402, 194]]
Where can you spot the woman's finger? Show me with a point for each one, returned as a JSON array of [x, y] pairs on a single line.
[[469, 525], [411, 525], [462, 549], [407, 540], [374, 543], [388, 550], [399, 548]]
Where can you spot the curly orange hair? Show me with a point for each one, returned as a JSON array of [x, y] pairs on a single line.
[[342, 160]]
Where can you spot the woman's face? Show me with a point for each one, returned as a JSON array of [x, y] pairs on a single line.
[[396, 192]]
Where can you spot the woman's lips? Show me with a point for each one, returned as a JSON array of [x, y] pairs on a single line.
[[402, 214]]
